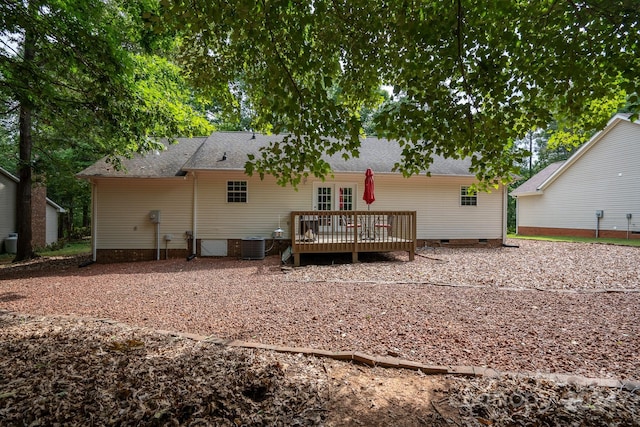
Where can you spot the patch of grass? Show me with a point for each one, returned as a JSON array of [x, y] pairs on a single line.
[[69, 249], [606, 241]]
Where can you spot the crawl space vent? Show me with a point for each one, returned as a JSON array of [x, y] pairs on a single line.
[[252, 248]]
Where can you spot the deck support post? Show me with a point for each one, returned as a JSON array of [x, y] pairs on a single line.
[[354, 257], [296, 259]]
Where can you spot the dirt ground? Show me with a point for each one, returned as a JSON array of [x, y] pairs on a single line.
[[368, 397]]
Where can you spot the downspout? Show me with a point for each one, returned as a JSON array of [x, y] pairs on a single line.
[[194, 234], [504, 214], [517, 215], [158, 241], [94, 221]]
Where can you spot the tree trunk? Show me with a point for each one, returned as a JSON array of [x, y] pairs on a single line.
[[86, 218], [71, 221], [23, 203], [61, 223], [68, 225]]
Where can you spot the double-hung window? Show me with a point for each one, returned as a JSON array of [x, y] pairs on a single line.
[[236, 191], [468, 197]]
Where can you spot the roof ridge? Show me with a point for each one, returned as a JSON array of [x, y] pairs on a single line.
[[195, 152]]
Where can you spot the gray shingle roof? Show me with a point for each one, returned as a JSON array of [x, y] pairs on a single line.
[[208, 154], [159, 164], [531, 185]]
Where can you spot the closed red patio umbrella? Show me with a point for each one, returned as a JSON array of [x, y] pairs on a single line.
[[369, 196]]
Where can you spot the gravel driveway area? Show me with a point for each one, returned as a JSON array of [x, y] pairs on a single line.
[[541, 307]]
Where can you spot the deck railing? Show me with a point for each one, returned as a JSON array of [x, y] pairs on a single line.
[[352, 231]]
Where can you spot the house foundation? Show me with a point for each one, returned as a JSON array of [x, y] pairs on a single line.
[[273, 247], [577, 232], [107, 256], [460, 243]]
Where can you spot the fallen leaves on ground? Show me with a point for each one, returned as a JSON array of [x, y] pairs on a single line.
[[74, 371], [57, 371]]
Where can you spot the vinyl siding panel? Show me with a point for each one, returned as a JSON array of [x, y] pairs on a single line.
[[8, 219], [8, 224], [123, 207], [606, 177], [266, 201], [52, 225], [436, 200]]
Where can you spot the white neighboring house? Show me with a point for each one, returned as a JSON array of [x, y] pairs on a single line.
[[44, 216], [201, 191], [596, 192]]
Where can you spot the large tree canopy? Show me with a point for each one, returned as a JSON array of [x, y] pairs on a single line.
[[78, 73], [468, 77]]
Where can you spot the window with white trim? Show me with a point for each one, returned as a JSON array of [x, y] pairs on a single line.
[[236, 191], [468, 197]]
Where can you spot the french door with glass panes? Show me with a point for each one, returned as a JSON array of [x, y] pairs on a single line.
[[334, 197]]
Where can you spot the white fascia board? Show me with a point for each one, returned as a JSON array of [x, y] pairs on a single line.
[[528, 193], [56, 206]]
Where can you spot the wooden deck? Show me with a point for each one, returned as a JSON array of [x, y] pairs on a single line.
[[352, 231]]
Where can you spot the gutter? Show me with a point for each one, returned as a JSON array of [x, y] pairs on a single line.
[[527, 193]]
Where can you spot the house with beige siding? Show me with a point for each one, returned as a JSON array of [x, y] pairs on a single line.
[[44, 212], [194, 199], [595, 193]]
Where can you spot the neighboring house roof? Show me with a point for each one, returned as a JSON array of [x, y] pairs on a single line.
[[234, 147], [532, 185], [537, 183], [15, 179], [9, 175], [56, 206]]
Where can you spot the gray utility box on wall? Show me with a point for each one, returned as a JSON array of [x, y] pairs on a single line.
[[252, 248], [154, 217]]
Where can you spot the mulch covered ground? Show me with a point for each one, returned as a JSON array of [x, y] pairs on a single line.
[[66, 371], [540, 308]]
